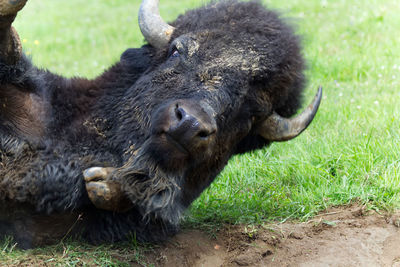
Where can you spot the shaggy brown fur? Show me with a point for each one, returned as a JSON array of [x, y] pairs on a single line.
[[237, 58]]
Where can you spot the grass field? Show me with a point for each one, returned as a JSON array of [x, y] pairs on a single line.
[[349, 153]]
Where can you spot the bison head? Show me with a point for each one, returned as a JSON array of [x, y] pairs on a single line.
[[219, 80], [164, 121]]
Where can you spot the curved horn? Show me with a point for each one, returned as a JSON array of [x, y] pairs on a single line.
[[10, 45], [277, 128], [11, 7], [154, 29]]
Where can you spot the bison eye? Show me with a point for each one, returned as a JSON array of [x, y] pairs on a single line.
[[174, 53]]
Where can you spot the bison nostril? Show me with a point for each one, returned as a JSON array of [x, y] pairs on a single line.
[[203, 134], [179, 112]]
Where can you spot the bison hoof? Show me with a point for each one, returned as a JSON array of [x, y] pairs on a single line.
[[97, 173], [104, 193]]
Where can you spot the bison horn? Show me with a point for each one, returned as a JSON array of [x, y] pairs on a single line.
[[10, 45], [277, 128], [11, 7], [154, 29]]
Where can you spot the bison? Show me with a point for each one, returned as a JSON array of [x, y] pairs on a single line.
[[127, 152]]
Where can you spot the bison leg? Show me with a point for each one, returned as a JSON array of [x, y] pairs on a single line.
[[103, 192]]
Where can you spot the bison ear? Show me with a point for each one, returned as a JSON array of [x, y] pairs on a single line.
[[137, 59], [10, 45], [277, 128]]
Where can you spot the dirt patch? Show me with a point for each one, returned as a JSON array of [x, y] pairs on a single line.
[[346, 236]]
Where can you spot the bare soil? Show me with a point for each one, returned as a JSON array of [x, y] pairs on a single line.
[[344, 236]]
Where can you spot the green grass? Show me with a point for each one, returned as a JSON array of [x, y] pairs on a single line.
[[73, 253], [349, 153]]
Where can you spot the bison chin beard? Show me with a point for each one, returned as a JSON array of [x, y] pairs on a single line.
[[154, 189], [166, 153]]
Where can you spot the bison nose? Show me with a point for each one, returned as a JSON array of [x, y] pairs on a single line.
[[191, 125]]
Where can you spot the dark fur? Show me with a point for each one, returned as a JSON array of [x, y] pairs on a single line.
[[248, 64]]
